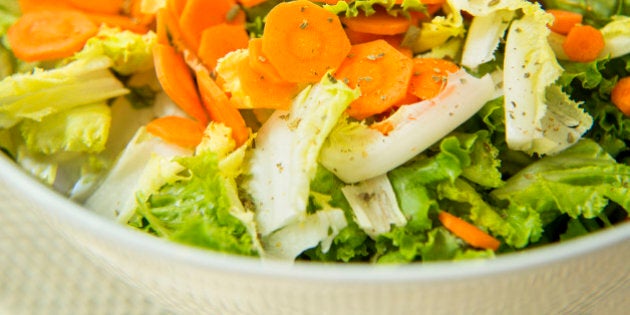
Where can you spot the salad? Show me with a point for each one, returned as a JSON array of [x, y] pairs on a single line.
[[381, 131]]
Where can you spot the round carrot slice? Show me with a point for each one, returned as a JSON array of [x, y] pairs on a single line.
[[50, 34], [303, 41], [381, 72]]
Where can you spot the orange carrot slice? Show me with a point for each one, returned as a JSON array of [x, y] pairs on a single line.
[[181, 131], [381, 72], [429, 76], [198, 15], [583, 43], [220, 109], [220, 39], [620, 95], [468, 232], [262, 92], [260, 63], [564, 20], [176, 6], [50, 34], [303, 41], [177, 81]]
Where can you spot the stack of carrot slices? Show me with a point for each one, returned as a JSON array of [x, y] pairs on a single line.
[[50, 30]]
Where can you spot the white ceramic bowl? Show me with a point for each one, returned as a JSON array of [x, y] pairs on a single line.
[[589, 275]]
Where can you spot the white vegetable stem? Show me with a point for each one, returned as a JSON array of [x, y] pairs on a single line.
[[284, 159], [367, 153], [374, 205]]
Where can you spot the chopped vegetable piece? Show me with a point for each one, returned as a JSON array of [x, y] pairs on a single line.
[[49, 35], [260, 64], [303, 41], [248, 88], [620, 95], [468, 232], [583, 43], [177, 81], [182, 131], [198, 15], [218, 40], [429, 76], [564, 21], [381, 72], [220, 109]]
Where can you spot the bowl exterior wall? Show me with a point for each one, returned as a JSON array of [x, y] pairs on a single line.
[[595, 283]]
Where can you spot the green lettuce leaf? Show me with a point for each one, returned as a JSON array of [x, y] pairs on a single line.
[[195, 210], [580, 181]]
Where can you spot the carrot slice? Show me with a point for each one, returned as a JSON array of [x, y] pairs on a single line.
[[100, 6], [259, 91], [177, 81], [161, 28], [259, 62], [303, 41], [220, 39], [583, 43], [356, 37], [176, 6], [564, 20], [220, 109], [49, 35], [429, 76], [138, 15], [167, 28], [468, 232], [620, 95], [381, 72], [380, 23], [198, 15], [181, 131]]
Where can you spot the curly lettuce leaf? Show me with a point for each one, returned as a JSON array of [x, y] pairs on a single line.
[[195, 209], [580, 181]]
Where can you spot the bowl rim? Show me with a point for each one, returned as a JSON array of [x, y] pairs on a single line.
[[63, 209]]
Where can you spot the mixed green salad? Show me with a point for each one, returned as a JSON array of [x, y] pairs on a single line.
[[521, 147]]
